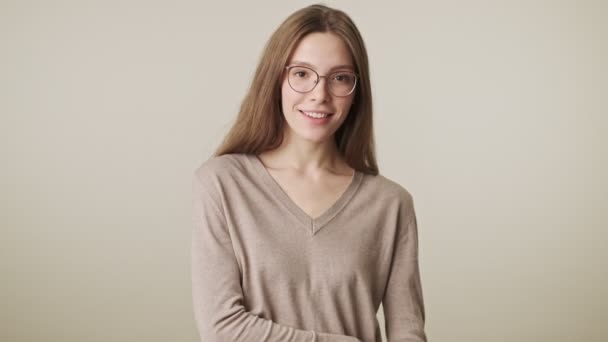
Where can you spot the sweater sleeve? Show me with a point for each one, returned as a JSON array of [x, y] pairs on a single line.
[[217, 295], [403, 302]]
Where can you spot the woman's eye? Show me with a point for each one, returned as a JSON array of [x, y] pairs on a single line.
[[300, 73], [346, 78]]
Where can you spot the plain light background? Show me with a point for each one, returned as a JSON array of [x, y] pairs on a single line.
[[491, 113]]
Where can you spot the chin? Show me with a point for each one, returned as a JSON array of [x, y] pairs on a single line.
[[303, 131], [314, 137]]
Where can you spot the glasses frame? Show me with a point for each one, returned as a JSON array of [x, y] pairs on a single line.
[[289, 67]]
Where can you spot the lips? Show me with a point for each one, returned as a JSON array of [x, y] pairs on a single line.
[[316, 114], [316, 111]]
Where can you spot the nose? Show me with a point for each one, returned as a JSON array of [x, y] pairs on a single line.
[[321, 90]]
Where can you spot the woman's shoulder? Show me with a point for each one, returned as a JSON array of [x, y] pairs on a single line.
[[220, 165], [384, 188]]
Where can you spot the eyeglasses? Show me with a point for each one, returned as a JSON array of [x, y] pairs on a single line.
[[304, 79]]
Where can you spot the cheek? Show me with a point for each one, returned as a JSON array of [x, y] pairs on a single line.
[[284, 92], [346, 104], [288, 98]]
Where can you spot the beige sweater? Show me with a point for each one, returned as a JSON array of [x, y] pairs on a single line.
[[263, 270]]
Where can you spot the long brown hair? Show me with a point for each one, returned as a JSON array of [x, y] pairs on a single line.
[[260, 123]]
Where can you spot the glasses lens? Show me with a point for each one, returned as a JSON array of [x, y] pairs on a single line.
[[302, 79], [342, 83]]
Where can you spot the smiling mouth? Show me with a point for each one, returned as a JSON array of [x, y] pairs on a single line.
[[316, 115]]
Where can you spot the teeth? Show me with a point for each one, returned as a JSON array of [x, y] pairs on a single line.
[[315, 115]]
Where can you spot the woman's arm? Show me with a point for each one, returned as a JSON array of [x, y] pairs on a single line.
[[403, 302], [216, 290]]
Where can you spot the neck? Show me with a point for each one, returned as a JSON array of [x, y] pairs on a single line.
[[308, 157]]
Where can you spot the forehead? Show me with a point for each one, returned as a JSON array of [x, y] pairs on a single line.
[[322, 51]]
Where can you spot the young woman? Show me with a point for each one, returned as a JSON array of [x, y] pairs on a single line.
[[297, 237]]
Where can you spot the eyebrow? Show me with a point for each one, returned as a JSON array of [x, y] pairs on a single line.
[[343, 66]]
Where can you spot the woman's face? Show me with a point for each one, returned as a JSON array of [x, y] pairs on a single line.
[[325, 53]]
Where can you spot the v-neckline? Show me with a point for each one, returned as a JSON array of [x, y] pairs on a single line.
[[313, 225]]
